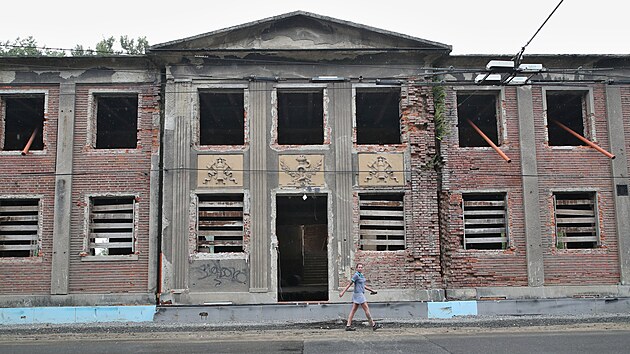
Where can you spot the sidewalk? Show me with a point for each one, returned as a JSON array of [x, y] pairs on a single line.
[[313, 313]]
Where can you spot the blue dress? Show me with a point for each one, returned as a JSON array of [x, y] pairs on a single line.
[[358, 296]]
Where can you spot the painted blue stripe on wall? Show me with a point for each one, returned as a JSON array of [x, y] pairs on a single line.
[[88, 314], [451, 309]]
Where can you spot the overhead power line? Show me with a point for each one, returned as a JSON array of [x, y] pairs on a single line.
[[519, 55]]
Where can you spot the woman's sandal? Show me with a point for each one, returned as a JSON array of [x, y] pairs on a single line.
[[377, 326], [350, 328]]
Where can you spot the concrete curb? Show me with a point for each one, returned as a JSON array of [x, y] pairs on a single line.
[[295, 313]]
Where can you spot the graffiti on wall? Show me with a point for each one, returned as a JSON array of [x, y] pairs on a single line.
[[223, 274]]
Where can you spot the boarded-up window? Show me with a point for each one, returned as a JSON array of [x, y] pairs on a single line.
[[481, 110], [576, 222], [300, 117], [382, 222], [116, 121], [111, 226], [378, 115], [19, 230], [23, 120], [568, 109], [220, 223], [221, 117], [485, 221]]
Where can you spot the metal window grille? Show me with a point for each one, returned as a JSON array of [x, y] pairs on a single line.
[[576, 222], [485, 224], [111, 229], [382, 222], [220, 223], [19, 229]]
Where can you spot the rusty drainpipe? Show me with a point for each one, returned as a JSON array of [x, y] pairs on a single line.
[[493, 145], [30, 142], [588, 142]]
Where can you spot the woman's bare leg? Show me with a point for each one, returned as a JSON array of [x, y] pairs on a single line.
[[366, 308], [355, 307]]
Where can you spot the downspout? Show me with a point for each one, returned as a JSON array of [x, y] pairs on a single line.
[[492, 144], [30, 142], [588, 142], [161, 188]]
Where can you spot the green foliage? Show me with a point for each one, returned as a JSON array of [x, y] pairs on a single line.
[[23, 47], [27, 47], [106, 46], [131, 47], [439, 101]]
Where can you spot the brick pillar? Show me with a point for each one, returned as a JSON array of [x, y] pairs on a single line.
[[531, 200], [617, 138], [63, 191]]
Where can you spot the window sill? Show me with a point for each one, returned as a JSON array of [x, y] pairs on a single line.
[[22, 260], [117, 258], [217, 256]]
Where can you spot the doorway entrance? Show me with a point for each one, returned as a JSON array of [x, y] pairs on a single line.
[[302, 230]]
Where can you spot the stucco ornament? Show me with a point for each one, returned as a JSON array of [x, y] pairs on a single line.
[[302, 174], [380, 170], [220, 172]]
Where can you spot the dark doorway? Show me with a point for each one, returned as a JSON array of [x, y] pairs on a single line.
[[302, 229]]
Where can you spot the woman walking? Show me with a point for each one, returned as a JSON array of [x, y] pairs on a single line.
[[358, 298]]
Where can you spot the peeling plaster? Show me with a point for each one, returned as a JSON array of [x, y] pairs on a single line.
[[7, 76]]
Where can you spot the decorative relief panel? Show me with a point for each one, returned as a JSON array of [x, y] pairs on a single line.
[[220, 171], [301, 171], [381, 170]]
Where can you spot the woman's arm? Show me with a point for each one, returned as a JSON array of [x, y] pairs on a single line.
[[344, 290]]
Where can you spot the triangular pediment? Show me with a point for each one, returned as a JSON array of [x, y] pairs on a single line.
[[300, 31]]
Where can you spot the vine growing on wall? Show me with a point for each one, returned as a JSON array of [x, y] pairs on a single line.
[[439, 102], [439, 119]]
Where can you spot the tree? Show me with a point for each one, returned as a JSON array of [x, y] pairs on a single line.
[[22, 47], [28, 47], [130, 47]]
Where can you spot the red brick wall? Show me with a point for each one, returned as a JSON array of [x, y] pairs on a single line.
[[579, 167], [112, 171], [32, 174], [418, 266], [559, 169], [471, 169]]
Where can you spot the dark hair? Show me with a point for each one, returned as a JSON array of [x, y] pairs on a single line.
[[358, 264]]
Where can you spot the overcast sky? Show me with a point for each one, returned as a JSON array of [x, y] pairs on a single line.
[[470, 26]]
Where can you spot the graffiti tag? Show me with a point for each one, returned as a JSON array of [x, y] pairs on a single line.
[[221, 274]]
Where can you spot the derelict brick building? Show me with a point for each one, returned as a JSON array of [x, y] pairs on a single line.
[[269, 158]]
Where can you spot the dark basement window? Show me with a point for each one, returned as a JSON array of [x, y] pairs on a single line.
[[222, 117], [116, 121], [482, 110], [23, 118], [569, 109], [378, 116], [300, 117]]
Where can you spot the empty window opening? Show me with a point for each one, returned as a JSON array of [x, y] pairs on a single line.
[[481, 110], [117, 122], [222, 117], [111, 226], [220, 223], [378, 116], [382, 222], [302, 230], [485, 224], [568, 109], [576, 222], [19, 230], [23, 120], [300, 117]]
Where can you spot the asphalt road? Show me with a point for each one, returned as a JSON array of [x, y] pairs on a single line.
[[602, 338], [513, 343]]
